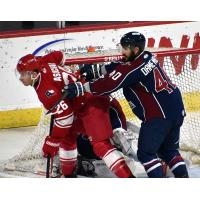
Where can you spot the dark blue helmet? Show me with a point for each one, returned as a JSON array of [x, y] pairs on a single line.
[[133, 39]]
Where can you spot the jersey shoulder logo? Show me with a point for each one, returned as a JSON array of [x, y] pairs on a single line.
[[146, 56], [50, 93]]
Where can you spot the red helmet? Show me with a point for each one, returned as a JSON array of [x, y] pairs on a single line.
[[28, 63]]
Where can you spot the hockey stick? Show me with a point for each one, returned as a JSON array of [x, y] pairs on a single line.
[[48, 157], [37, 173]]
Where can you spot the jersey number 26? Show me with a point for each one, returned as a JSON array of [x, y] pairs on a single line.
[[61, 107]]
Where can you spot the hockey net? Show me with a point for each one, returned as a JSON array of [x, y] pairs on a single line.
[[181, 65]]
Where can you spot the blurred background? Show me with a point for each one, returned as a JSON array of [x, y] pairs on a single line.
[[21, 25]]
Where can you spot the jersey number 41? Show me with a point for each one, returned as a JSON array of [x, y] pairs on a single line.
[[162, 83]]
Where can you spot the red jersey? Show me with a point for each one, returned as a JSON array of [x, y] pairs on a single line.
[[52, 79]]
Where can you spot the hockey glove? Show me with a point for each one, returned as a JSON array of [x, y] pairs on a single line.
[[73, 90], [85, 167], [50, 147], [91, 71]]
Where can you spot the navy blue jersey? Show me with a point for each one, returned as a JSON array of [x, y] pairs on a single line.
[[147, 88]]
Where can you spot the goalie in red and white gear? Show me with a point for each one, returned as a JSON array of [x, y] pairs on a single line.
[[87, 114]]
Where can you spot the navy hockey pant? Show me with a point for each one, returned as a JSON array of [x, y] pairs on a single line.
[[160, 137]]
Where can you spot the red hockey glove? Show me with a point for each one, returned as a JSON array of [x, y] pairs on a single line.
[[50, 147]]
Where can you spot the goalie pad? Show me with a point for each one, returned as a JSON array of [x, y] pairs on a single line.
[[123, 140], [120, 141], [131, 127]]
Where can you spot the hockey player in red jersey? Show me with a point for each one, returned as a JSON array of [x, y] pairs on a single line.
[[153, 98], [87, 114]]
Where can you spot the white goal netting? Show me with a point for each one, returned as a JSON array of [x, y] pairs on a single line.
[[182, 66]]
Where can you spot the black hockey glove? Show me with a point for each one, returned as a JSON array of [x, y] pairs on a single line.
[[85, 167], [91, 71], [73, 90]]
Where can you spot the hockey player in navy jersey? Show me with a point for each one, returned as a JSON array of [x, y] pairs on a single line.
[[153, 98]]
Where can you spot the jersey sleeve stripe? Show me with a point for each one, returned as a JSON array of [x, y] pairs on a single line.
[[118, 86]]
